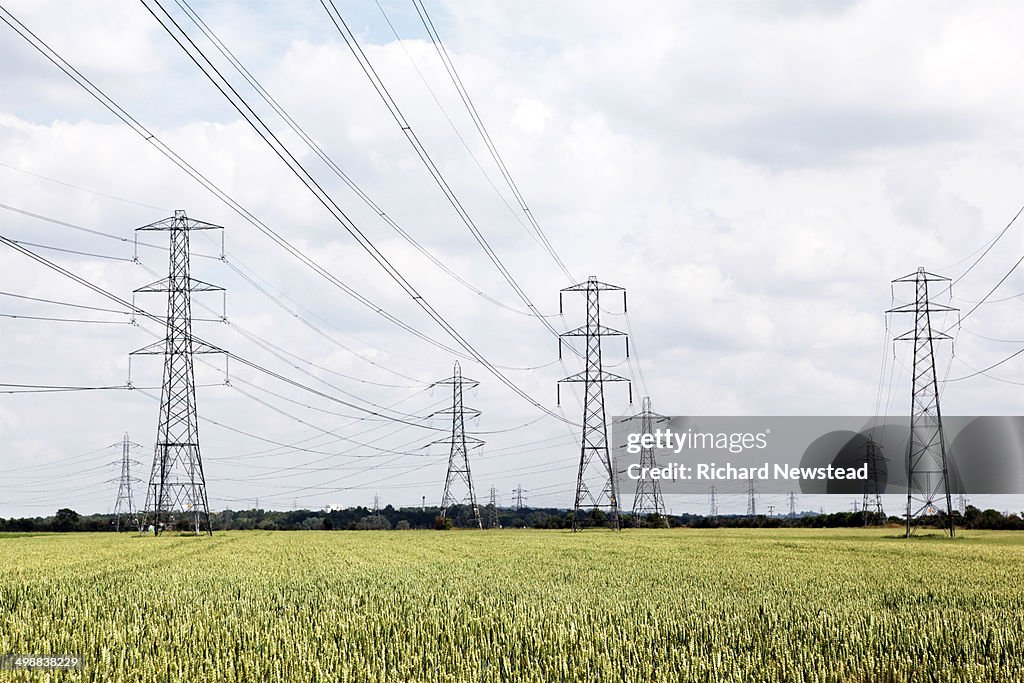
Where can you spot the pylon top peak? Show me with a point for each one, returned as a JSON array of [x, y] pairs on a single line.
[[922, 275], [180, 221], [591, 284]]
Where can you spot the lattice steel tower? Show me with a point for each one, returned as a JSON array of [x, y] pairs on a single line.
[[648, 498], [492, 510], [124, 509], [751, 500], [460, 445], [177, 484], [519, 497], [872, 508], [927, 463], [597, 467]]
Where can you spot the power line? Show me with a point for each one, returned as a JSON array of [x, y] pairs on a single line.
[[46, 388], [266, 453], [357, 51], [990, 292], [992, 301], [455, 129], [80, 228], [236, 266], [325, 199], [318, 150], [43, 48], [64, 320], [64, 303], [79, 187], [478, 122], [994, 365], [60, 462], [993, 339], [72, 251], [987, 249], [235, 357]]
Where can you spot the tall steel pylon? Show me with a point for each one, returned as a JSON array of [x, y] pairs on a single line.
[[713, 505], [928, 490], [596, 485], [518, 491], [460, 445], [792, 504], [492, 510], [177, 483], [648, 499], [751, 500], [124, 509], [874, 513]]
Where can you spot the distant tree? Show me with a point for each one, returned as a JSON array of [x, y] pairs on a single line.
[[328, 524], [403, 525], [373, 522], [65, 520], [656, 521], [442, 523]]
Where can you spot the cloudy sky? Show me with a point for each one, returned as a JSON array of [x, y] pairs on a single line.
[[754, 174]]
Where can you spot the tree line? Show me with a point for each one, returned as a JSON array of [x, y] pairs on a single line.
[[390, 518]]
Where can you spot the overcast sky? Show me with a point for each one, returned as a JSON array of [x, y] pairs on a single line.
[[754, 174]]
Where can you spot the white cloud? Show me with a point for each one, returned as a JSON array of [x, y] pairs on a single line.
[[753, 174]]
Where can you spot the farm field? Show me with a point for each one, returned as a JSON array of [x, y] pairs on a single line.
[[461, 606]]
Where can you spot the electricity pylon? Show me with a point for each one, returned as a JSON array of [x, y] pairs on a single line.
[[176, 482], [792, 504], [647, 499], [872, 504], [460, 445], [927, 462], [124, 508], [492, 510], [596, 485], [751, 501], [713, 507], [519, 497]]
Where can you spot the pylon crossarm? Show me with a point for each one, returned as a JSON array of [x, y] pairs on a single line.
[[598, 331]]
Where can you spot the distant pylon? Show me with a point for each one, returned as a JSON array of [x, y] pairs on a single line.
[[751, 501], [872, 504], [792, 504], [928, 491], [596, 482], [458, 455], [492, 510], [713, 507], [376, 504], [648, 499], [177, 482], [124, 508], [518, 490]]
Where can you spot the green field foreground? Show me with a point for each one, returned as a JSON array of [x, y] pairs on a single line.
[[511, 605]]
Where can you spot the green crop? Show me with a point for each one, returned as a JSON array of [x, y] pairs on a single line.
[[639, 605]]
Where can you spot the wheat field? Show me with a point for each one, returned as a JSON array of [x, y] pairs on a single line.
[[638, 605]]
